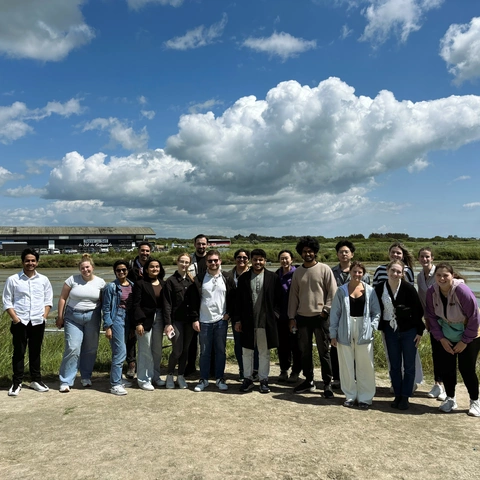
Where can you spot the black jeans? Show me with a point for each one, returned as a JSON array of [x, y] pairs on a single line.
[[466, 365], [23, 336], [288, 350], [436, 347], [318, 326], [180, 343]]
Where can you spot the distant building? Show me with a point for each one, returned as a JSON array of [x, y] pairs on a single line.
[[219, 242]]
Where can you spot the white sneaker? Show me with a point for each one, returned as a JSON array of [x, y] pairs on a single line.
[[448, 405], [14, 390], [170, 383], [39, 386], [474, 410], [221, 384], [442, 397], [146, 386], [64, 388], [202, 385], [160, 382], [118, 390], [86, 382], [435, 391], [181, 382]]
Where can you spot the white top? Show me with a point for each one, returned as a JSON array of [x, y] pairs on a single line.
[[28, 296], [213, 304], [84, 295]]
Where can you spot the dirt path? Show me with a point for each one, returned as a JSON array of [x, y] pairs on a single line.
[[210, 435]]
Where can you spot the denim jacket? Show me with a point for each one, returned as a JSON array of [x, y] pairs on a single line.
[[112, 295], [340, 316]]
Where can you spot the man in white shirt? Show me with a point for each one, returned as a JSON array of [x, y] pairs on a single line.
[[27, 298]]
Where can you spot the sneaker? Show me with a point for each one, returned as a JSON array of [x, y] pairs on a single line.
[[305, 386], [327, 392], [86, 382], [363, 406], [349, 403], [293, 378], [202, 385], [131, 371], [181, 382], [118, 390], [442, 397], [396, 402], [221, 384], [336, 384], [448, 405], [264, 386], [403, 404], [126, 384], [15, 390], [247, 385], [283, 377], [39, 386], [160, 382], [170, 383], [435, 391], [146, 386], [64, 388], [241, 376], [255, 377], [474, 410]]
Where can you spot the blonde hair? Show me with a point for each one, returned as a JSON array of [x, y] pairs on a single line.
[[86, 257], [185, 254]]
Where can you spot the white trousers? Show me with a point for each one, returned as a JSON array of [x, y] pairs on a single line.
[[357, 374], [263, 356]]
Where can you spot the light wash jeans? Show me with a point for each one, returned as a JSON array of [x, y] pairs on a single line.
[[149, 352], [119, 348], [82, 330], [263, 356]]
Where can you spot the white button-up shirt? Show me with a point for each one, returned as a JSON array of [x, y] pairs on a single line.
[[213, 303], [28, 296]]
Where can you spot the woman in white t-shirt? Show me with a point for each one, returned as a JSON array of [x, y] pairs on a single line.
[[79, 310]]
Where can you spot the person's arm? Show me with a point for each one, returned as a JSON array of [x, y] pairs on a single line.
[[335, 314], [48, 298], [8, 300], [61, 305], [107, 309], [331, 289], [375, 310], [138, 315], [293, 301]]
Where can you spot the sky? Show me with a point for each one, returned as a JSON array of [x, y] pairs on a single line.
[[275, 117]]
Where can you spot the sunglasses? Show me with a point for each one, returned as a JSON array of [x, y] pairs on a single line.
[[213, 260], [242, 258], [124, 270]]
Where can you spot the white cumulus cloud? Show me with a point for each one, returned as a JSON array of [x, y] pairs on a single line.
[[26, 191], [138, 4], [149, 114], [207, 105], [472, 205]]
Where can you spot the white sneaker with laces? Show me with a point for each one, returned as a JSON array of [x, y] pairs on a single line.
[[435, 391], [221, 384], [474, 410], [448, 405], [170, 383], [64, 388], [39, 386], [146, 386], [118, 390], [202, 385], [86, 382], [14, 390], [181, 382], [442, 397]]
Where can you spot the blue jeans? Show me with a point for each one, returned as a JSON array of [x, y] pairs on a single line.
[[401, 345], [119, 348], [149, 352], [82, 330], [213, 336]]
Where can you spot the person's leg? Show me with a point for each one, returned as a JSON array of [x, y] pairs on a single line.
[[364, 367], [247, 355], [35, 338], [73, 330], [394, 354], [409, 353], [88, 353], [206, 344], [119, 348], [322, 337], [346, 365], [305, 335], [418, 369], [188, 332], [436, 346], [177, 347], [263, 354], [334, 362], [19, 341], [296, 354], [447, 366], [131, 353], [283, 349], [237, 341], [157, 344], [144, 358], [192, 354], [466, 365], [220, 343]]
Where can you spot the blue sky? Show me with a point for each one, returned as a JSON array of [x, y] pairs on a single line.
[[279, 117]]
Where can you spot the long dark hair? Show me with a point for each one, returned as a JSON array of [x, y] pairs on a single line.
[[146, 277]]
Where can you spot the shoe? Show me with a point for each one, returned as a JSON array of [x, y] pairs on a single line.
[[264, 388], [241, 376], [160, 382], [64, 388], [15, 390], [126, 384], [396, 402], [293, 378], [336, 384], [305, 386], [448, 405], [86, 382], [181, 382], [255, 377], [170, 383], [247, 385], [327, 392], [202, 385], [474, 410], [435, 391], [283, 377], [363, 406], [349, 403], [403, 404], [442, 397], [131, 371], [118, 390], [39, 386], [146, 386], [221, 384]]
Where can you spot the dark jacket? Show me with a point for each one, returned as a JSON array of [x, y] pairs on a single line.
[[408, 308], [145, 303], [175, 307], [272, 295]]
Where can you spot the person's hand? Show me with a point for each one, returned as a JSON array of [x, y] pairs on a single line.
[[59, 322], [168, 329], [196, 326], [292, 324], [447, 345], [226, 316], [333, 342], [139, 330], [238, 327], [417, 340], [109, 333], [459, 347]]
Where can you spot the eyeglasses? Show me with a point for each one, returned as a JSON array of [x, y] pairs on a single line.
[[242, 258], [213, 260], [124, 270]]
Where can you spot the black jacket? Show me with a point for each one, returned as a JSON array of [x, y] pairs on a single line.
[[145, 303], [175, 307]]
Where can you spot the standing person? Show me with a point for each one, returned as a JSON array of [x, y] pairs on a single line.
[[311, 294], [353, 319], [176, 319], [288, 350], [79, 312], [135, 273], [402, 324], [210, 304], [116, 305], [425, 279], [345, 253], [148, 320], [453, 315], [257, 304], [198, 265], [27, 298]]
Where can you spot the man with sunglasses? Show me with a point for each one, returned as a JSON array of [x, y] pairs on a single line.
[[210, 303]]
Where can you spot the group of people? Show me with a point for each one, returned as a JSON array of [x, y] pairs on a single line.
[[283, 310]]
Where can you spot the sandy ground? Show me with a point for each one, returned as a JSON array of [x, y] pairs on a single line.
[[89, 433]]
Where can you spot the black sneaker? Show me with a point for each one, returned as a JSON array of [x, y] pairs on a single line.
[[264, 386], [363, 406], [327, 392], [305, 386], [403, 404], [247, 385], [255, 377]]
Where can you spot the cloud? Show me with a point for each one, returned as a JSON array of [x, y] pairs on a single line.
[[472, 205], [138, 4], [418, 165], [26, 191], [142, 100], [460, 48], [14, 119], [199, 36], [5, 175], [120, 133], [149, 114], [280, 44], [48, 30], [345, 32], [462, 177], [207, 105]]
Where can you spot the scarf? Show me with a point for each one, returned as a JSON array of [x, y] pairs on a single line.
[[389, 308]]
